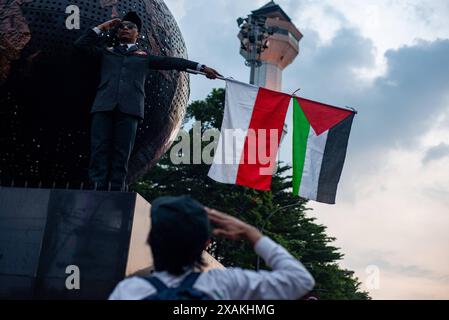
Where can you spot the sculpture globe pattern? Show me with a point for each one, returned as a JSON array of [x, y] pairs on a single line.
[[47, 89]]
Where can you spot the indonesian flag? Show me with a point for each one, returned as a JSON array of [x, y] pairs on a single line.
[[250, 134]]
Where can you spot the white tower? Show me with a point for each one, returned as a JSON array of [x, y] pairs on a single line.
[[270, 42]]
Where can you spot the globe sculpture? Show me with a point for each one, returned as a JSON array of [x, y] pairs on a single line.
[[47, 89]]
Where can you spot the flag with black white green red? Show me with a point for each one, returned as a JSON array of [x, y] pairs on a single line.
[[320, 140]]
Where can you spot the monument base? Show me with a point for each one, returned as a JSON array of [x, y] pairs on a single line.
[[71, 244]]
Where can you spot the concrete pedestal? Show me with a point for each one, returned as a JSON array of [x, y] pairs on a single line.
[[44, 233]]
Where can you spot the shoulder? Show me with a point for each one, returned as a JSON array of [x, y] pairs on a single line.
[[221, 284], [134, 288], [222, 275]]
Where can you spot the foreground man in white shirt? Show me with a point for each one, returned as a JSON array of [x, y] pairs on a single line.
[[180, 232]]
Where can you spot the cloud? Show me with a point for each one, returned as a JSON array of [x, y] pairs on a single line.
[[376, 20], [397, 219], [407, 270], [409, 98], [177, 8], [398, 107], [329, 70], [436, 153]]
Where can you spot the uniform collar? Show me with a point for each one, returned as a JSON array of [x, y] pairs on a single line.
[[130, 45]]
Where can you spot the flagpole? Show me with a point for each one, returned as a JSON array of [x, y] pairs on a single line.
[[204, 74], [293, 95], [262, 229], [220, 77]]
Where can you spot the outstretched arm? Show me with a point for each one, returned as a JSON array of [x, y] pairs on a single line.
[[172, 63]]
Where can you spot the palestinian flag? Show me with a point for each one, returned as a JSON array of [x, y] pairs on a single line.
[[320, 140]]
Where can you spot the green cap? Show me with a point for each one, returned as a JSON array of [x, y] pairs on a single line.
[[180, 218]]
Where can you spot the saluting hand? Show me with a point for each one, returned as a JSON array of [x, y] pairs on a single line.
[[109, 24], [231, 227]]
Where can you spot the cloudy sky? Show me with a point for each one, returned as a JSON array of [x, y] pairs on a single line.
[[390, 60]]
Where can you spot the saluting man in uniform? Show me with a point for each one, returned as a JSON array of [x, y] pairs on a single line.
[[119, 104]]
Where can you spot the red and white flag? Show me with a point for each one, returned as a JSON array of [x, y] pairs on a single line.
[[250, 135]]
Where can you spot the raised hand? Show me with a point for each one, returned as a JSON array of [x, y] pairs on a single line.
[[109, 24], [231, 227]]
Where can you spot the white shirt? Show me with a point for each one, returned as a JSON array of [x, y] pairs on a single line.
[[128, 44], [289, 279], [98, 31]]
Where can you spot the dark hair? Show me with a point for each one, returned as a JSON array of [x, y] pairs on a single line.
[[175, 253]]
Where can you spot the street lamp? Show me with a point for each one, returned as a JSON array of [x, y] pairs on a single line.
[[268, 218], [253, 37]]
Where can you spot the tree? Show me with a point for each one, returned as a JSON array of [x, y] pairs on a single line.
[[289, 225]]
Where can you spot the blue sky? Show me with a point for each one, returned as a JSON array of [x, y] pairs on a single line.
[[390, 60]]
